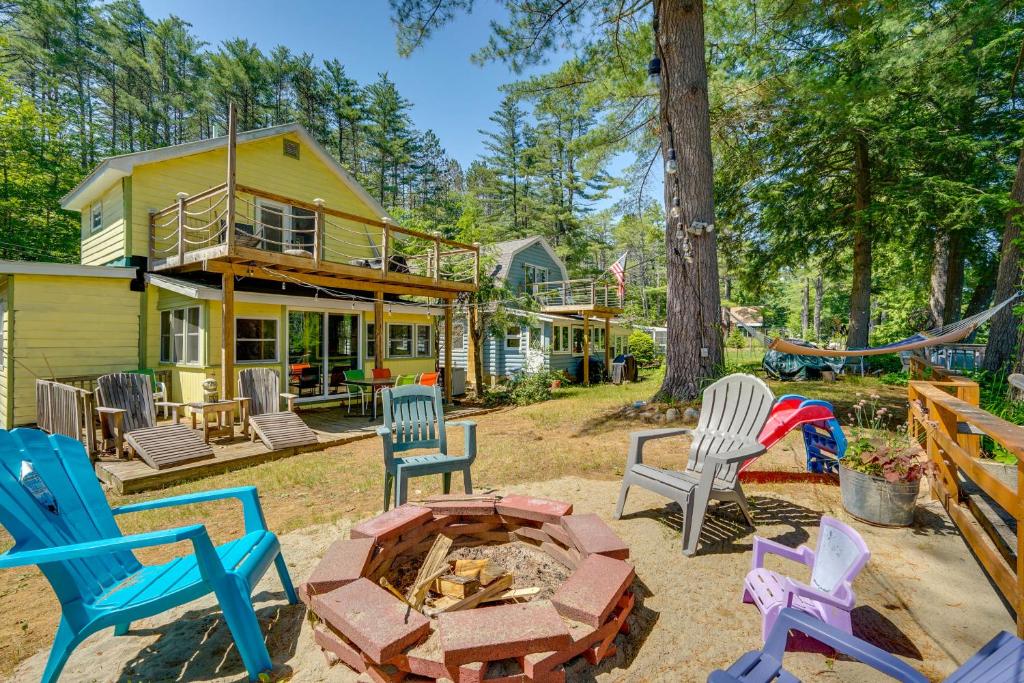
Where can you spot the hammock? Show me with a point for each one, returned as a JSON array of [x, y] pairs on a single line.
[[946, 334]]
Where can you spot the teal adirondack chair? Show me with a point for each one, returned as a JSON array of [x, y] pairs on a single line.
[[52, 505], [413, 420]]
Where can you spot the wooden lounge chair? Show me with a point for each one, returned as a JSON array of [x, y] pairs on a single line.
[[259, 394], [834, 563], [128, 413], [1001, 660], [733, 411], [52, 505], [414, 419]]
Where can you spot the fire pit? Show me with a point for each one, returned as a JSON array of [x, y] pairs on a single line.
[[471, 588]]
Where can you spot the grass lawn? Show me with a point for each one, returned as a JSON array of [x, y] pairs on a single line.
[[576, 434]]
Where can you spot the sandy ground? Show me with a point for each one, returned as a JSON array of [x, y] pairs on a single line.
[[922, 596]]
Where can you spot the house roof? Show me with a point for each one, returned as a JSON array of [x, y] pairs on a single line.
[[114, 168], [508, 249], [747, 315], [210, 292], [66, 269]]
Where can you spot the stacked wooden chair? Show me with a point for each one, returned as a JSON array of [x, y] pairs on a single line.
[[52, 505], [414, 420], [128, 414], [733, 411], [259, 394]]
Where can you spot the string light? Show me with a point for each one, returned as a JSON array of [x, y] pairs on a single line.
[[671, 165]]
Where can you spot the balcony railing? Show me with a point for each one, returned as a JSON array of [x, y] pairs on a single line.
[[195, 228], [582, 294]]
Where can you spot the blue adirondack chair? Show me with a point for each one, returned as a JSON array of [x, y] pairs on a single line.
[[414, 419], [1001, 660], [53, 506]]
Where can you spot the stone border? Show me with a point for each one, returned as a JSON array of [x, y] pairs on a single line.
[[367, 628]]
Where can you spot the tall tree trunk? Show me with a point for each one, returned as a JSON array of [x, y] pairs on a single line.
[[983, 290], [955, 281], [1003, 335], [819, 292], [860, 292], [805, 309], [694, 350], [939, 279]]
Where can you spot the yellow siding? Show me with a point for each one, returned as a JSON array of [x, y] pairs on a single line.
[[109, 243], [401, 366], [66, 326], [262, 165]]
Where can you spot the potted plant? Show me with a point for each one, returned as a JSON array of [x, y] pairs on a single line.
[[880, 475]]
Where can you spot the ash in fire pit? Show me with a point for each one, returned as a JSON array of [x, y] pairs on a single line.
[[459, 588]]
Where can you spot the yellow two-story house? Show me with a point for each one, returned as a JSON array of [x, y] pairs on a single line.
[[201, 259]]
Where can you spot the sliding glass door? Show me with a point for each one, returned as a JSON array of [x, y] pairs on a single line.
[[321, 347]]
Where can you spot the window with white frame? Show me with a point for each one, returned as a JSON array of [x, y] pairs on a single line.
[[371, 340], [597, 338], [256, 340], [577, 341], [513, 337], [179, 335], [400, 342], [458, 339], [423, 338], [96, 217], [560, 339], [534, 274]]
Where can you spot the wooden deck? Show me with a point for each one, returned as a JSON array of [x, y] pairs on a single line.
[[332, 426]]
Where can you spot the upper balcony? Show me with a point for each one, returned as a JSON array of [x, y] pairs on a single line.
[[579, 297], [273, 234]]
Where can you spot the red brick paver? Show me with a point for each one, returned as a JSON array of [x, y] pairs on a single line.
[[591, 593], [493, 633], [534, 509], [372, 619], [455, 504], [392, 523], [592, 536], [344, 562]]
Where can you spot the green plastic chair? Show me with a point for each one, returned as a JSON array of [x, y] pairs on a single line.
[[354, 390], [406, 379], [159, 388]]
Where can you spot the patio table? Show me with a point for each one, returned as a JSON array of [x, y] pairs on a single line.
[[375, 383]]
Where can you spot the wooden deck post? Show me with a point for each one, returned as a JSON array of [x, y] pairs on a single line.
[[182, 196], [607, 347], [471, 349], [476, 263], [586, 350], [318, 230], [437, 258], [447, 350], [227, 351], [378, 330], [229, 223]]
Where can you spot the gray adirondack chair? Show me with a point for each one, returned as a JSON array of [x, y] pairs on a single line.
[[128, 413], [733, 411], [259, 394], [414, 419]]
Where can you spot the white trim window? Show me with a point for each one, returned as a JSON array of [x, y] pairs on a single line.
[[534, 274], [409, 340], [424, 341], [513, 337], [179, 335], [560, 339], [256, 340], [577, 341], [96, 217], [597, 338], [371, 340], [459, 334]]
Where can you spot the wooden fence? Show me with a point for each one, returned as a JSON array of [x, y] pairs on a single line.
[[944, 419]]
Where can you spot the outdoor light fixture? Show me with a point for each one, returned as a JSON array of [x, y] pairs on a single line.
[[654, 71], [671, 166], [675, 211]]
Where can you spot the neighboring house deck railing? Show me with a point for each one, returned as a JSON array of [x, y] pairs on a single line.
[[194, 228], [581, 294]]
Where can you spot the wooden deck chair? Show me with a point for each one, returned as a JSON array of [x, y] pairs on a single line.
[[259, 394], [733, 411], [128, 413]]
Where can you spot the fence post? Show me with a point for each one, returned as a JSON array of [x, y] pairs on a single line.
[[182, 196], [229, 222], [318, 230]]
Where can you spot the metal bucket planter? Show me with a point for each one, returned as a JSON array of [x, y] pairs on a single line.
[[878, 501]]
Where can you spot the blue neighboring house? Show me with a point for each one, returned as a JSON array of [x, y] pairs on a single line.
[[546, 340]]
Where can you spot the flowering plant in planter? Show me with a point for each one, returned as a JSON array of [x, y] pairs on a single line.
[[892, 461]]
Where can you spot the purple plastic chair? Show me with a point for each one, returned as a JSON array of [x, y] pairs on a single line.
[[840, 555], [1001, 660]]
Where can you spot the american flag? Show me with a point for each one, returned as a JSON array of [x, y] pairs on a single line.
[[618, 269]]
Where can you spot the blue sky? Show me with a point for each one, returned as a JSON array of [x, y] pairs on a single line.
[[450, 95]]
